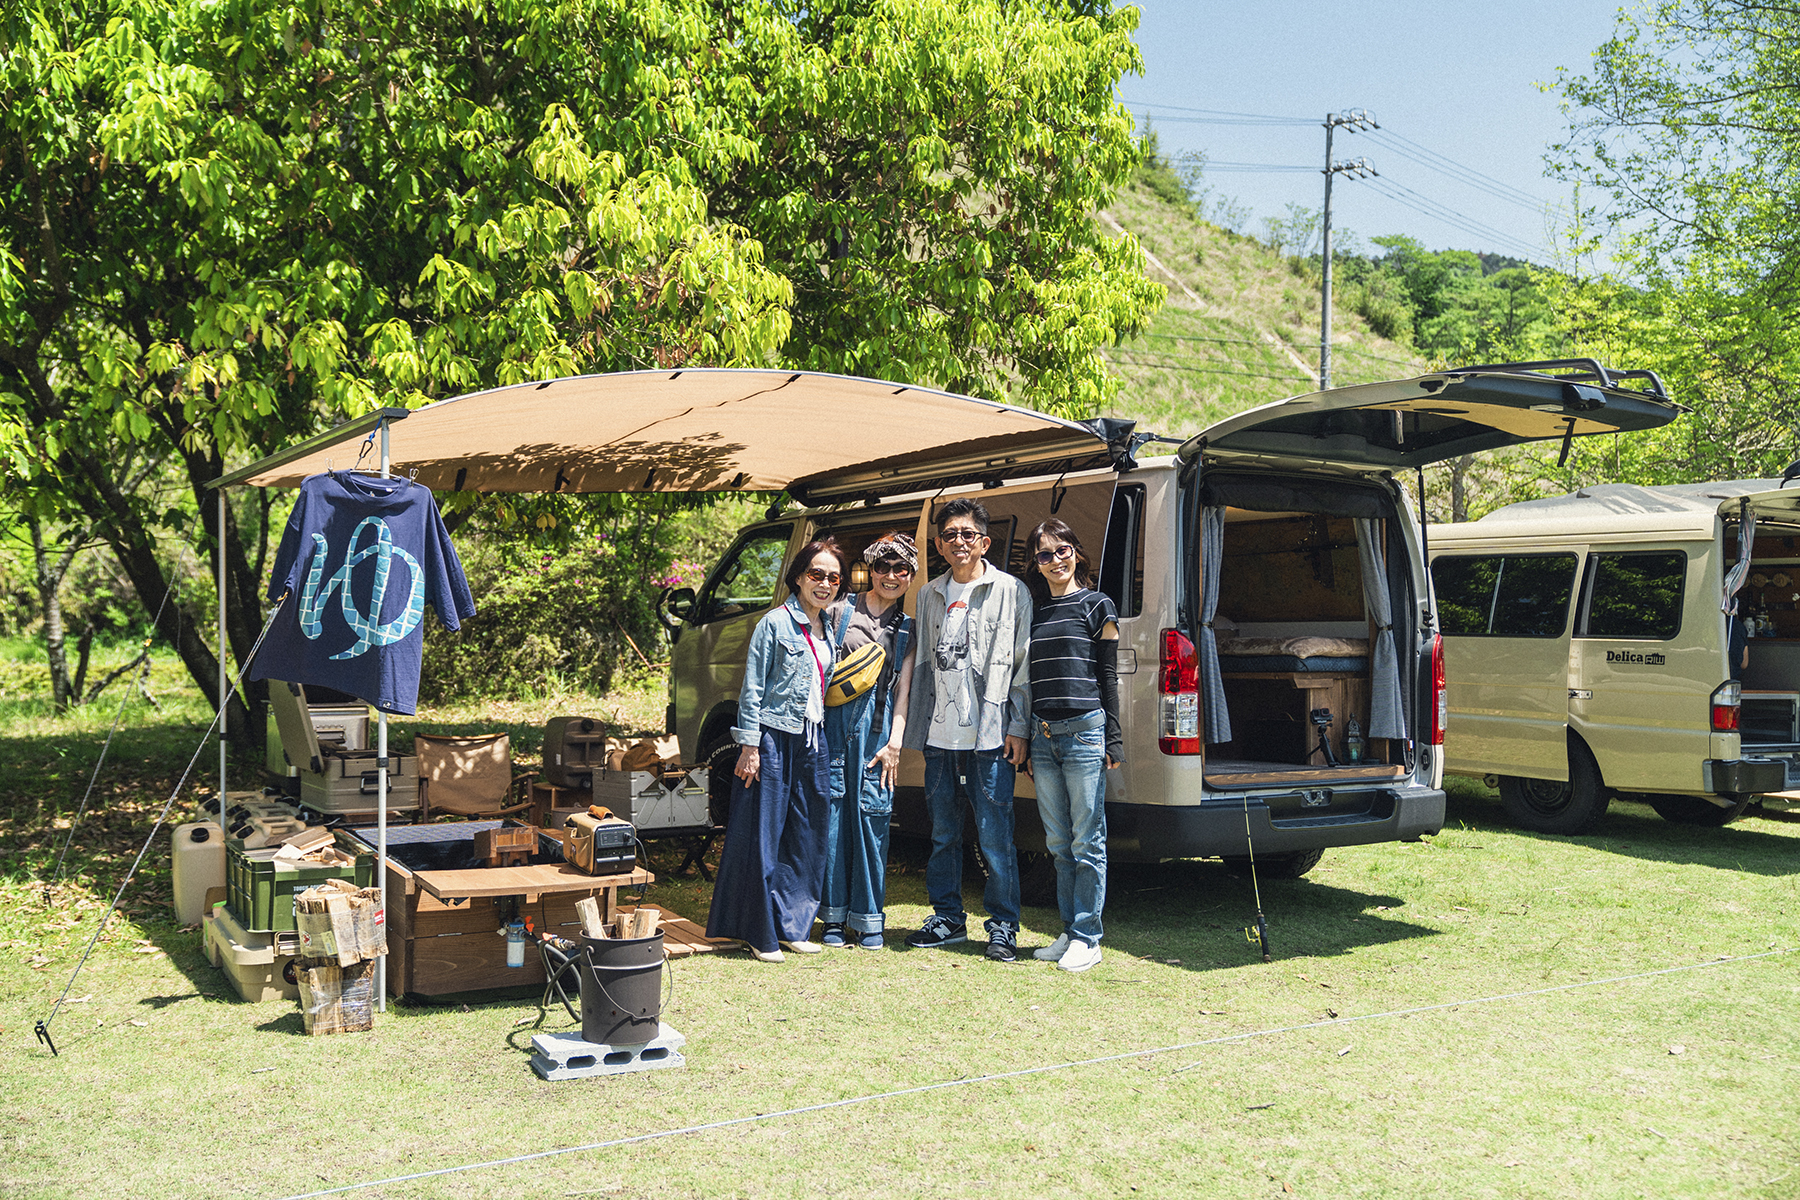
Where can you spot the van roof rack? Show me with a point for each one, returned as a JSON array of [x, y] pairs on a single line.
[[1576, 368]]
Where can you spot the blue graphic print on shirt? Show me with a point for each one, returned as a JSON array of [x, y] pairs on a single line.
[[369, 632]]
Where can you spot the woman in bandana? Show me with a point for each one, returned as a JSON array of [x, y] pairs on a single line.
[[863, 739]]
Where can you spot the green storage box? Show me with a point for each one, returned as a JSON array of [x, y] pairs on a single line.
[[260, 892]]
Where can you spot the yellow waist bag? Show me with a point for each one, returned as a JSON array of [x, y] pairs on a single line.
[[855, 674]]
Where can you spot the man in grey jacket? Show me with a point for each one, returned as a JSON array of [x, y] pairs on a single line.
[[970, 703]]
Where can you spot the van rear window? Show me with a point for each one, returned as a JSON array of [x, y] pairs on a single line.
[[1634, 595], [1504, 595]]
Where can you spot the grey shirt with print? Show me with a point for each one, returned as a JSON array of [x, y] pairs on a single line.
[[991, 663]]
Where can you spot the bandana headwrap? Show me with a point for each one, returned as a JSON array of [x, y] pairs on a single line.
[[894, 545]]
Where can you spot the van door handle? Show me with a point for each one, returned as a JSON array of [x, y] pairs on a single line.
[[1581, 694]]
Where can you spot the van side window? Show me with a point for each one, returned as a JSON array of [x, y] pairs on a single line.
[[748, 578], [1504, 595], [1634, 595], [1122, 562]]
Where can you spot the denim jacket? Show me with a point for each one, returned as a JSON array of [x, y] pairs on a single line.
[[776, 679]]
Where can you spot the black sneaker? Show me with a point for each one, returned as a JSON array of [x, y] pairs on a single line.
[[1002, 946], [938, 931]]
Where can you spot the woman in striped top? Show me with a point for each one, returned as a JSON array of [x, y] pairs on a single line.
[[1075, 731]]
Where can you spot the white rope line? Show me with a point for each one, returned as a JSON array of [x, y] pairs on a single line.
[[1024, 1071]]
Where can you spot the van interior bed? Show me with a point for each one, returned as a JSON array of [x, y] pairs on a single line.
[[1293, 635]]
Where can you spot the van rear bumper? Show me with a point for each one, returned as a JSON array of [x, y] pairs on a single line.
[[1740, 776], [1150, 832]]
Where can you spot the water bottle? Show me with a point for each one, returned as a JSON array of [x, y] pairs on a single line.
[[1353, 742]]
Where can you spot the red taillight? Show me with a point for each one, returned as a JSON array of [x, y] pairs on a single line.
[[1178, 685], [1725, 700], [1440, 698]]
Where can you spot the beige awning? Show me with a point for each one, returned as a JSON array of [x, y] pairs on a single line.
[[820, 436]]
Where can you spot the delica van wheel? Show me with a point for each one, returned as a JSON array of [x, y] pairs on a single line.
[[1547, 806]]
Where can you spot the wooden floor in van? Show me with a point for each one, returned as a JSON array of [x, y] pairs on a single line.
[[1239, 772]]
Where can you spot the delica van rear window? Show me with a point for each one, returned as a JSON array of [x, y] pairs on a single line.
[[1635, 595], [1504, 595]]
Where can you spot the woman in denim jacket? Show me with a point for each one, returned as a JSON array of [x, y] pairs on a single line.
[[772, 869], [864, 736]]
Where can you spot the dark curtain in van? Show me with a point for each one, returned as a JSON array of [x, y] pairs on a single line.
[[1387, 716], [1212, 680]]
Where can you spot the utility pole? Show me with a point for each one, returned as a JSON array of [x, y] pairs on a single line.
[[1352, 119]]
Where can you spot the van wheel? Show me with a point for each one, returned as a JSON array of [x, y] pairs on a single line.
[[1275, 866], [1037, 878], [1692, 810], [719, 758], [1546, 806]]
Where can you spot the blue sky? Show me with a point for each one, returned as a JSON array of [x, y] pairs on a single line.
[[1456, 82]]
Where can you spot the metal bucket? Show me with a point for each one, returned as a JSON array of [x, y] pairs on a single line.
[[621, 989]]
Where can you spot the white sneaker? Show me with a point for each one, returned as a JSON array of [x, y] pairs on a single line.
[[804, 947], [1079, 957], [1054, 951], [767, 955]]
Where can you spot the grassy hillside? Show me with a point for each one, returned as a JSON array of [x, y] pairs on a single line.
[[1240, 328]]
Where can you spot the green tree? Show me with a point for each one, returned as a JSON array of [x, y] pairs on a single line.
[[1688, 127], [231, 222]]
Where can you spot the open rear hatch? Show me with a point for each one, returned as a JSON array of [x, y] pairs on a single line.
[[1407, 423], [1769, 714]]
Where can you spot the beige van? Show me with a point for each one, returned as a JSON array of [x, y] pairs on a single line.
[[1587, 639], [1270, 586]]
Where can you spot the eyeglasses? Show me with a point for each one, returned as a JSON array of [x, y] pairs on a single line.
[[1046, 557], [960, 535], [890, 568], [818, 576]]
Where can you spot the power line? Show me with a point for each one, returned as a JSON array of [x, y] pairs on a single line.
[[1432, 208], [1443, 164], [1214, 116], [1243, 168]]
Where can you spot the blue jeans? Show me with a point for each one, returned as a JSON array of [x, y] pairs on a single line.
[[987, 779], [856, 839], [1068, 767]]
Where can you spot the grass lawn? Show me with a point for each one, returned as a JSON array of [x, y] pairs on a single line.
[[1675, 1084]]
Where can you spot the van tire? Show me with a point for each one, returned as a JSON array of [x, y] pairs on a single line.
[[720, 759], [1693, 810], [1275, 866], [1037, 878], [1547, 806]]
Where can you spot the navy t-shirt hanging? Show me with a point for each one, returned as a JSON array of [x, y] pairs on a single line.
[[362, 557]]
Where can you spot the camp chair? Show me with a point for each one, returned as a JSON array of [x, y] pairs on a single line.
[[469, 776]]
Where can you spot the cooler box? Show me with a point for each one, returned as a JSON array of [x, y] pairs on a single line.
[[260, 891], [260, 966], [337, 726], [337, 779]]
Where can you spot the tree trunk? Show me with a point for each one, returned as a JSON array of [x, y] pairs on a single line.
[[1459, 486], [49, 577]]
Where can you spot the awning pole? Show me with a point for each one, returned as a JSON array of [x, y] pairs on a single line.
[[381, 801], [219, 552]]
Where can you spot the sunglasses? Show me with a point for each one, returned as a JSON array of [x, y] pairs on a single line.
[[960, 535], [1046, 557], [818, 576], [890, 568]]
